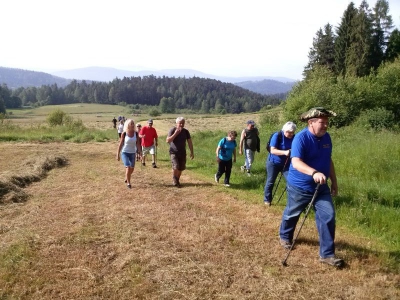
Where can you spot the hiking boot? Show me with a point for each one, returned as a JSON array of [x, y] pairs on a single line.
[[216, 178], [175, 182], [285, 244], [154, 165], [332, 261]]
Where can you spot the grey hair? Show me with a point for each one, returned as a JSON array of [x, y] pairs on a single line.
[[289, 126], [179, 119]]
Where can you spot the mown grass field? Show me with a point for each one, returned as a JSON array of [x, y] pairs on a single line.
[[80, 234]]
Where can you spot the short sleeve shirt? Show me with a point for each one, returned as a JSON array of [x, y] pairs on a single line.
[[315, 152], [227, 148], [178, 145], [150, 134]]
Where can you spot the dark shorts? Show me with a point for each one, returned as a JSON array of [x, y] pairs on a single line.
[[178, 161]]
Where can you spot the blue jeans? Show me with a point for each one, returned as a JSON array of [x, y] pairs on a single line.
[[273, 171], [324, 217], [249, 158]]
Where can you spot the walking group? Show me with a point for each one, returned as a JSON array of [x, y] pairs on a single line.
[[303, 159], [136, 143]]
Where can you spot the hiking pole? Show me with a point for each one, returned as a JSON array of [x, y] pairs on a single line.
[[302, 223], [273, 194], [281, 196], [155, 153]]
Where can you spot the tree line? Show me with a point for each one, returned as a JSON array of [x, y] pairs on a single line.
[[355, 72], [196, 94], [363, 41]]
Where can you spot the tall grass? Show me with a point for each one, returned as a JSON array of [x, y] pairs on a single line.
[[366, 163], [44, 133]]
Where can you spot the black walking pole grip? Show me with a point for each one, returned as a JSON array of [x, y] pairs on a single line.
[[302, 223]]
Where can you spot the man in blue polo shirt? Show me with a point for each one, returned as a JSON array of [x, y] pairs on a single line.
[[312, 164]]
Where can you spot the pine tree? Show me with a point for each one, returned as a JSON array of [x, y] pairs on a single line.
[[322, 52], [343, 38], [382, 26], [393, 47], [358, 56]]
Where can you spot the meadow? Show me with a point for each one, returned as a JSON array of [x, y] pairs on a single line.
[[367, 164]]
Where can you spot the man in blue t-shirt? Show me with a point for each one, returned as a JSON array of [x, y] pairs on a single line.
[[225, 150], [312, 164]]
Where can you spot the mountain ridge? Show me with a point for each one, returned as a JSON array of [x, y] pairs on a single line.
[[15, 78], [109, 74]]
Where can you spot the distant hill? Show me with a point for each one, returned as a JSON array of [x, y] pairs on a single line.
[[15, 78], [267, 86], [109, 74]]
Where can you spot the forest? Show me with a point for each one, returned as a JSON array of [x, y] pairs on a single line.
[[352, 69], [195, 94]]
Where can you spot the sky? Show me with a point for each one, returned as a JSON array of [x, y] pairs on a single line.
[[219, 37]]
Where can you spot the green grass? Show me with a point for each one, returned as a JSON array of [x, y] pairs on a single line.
[[366, 163], [53, 134], [76, 108]]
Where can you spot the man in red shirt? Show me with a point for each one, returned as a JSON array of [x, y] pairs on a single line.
[[149, 137]]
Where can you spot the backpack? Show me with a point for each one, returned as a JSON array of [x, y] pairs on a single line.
[[280, 137], [223, 143]]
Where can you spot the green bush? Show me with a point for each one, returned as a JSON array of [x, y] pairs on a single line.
[[58, 118], [377, 119], [154, 113]]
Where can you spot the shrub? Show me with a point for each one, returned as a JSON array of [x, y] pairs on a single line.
[[377, 119], [58, 118], [154, 113]]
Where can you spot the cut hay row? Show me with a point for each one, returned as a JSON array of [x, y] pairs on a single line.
[[33, 170]]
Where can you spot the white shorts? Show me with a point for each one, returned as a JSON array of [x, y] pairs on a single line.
[[150, 150]]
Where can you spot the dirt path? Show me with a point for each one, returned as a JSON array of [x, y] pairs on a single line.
[[83, 235]]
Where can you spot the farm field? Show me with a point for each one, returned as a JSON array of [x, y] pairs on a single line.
[[79, 233], [99, 116]]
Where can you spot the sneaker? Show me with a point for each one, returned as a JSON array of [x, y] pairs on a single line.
[[267, 203], [285, 244], [216, 178], [332, 261], [227, 184], [242, 168], [129, 186], [248, 173], [143, 164], [154, 165]]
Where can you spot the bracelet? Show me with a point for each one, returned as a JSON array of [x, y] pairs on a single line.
[[313, 173]]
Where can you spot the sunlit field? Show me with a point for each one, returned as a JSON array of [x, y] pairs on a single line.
[[84, 235]]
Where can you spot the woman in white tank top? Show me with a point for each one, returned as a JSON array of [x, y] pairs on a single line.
[[129, 144]]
